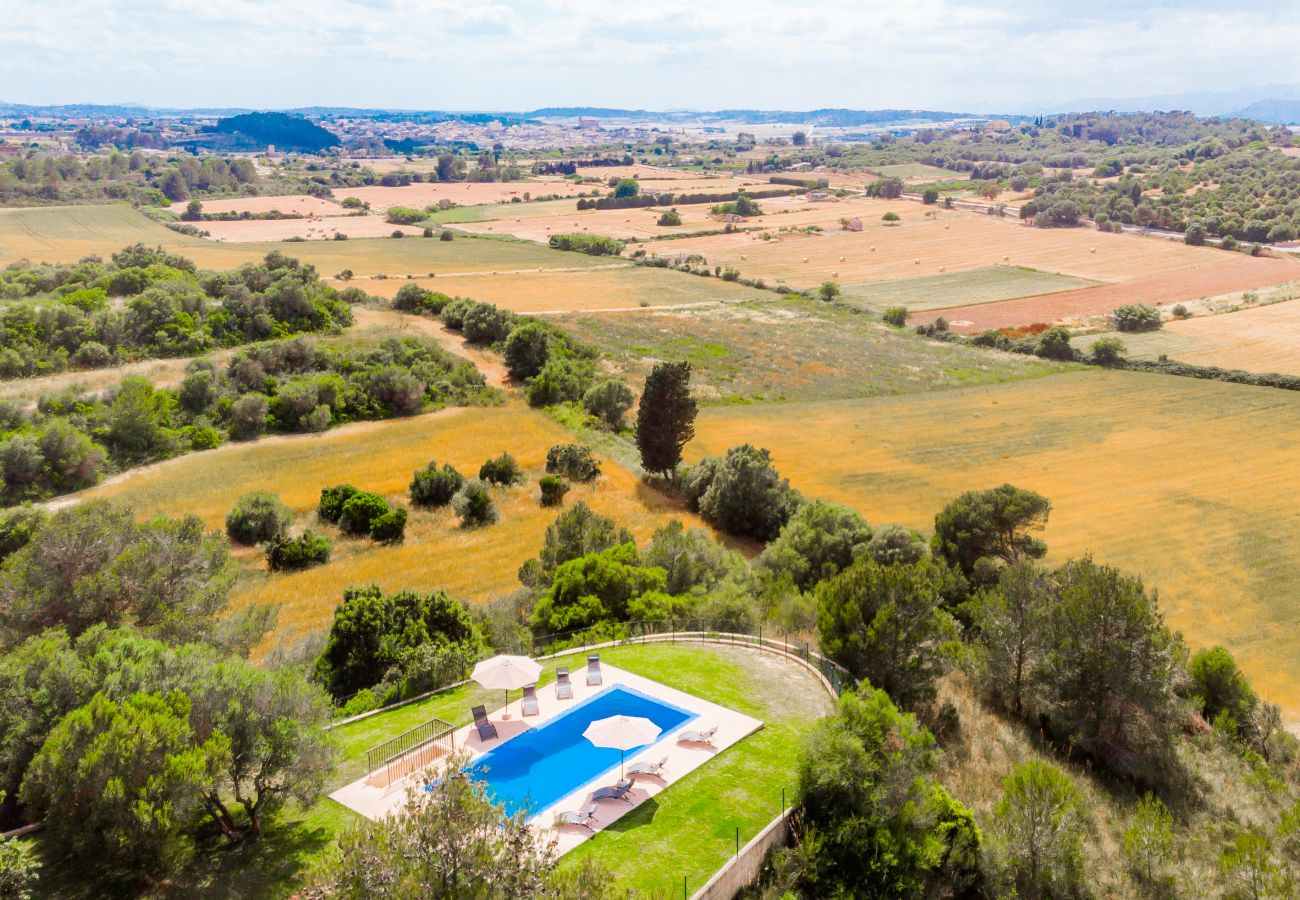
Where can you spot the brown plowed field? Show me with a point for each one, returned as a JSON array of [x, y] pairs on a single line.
[[421, 195], [1221, 277]]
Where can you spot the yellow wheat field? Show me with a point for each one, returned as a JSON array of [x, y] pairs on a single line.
[[473, 564], [1189, 483]]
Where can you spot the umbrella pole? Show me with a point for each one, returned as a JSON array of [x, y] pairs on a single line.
[[506, 713], [622, 757]]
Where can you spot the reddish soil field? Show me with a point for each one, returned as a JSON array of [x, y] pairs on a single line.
[[1222, 277]]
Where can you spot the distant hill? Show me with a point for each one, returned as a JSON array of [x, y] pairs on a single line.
[[1202, 103], [261, 129], [1272, 112], [830, 118]]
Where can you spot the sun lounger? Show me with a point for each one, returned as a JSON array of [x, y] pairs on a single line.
[[582, 817], [486, 730], [647, 768], [528, 705], [702, 736], [593, 670], [617, 792], [563, 686]]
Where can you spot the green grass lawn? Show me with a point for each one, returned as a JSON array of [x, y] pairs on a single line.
[[914, 170], [984, 285], [689, 830]]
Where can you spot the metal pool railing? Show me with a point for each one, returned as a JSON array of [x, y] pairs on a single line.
[[410, 750]]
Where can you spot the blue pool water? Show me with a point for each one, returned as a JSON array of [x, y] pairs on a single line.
[[539, 766]]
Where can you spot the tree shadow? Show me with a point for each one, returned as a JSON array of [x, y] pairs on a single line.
[[640, 815]]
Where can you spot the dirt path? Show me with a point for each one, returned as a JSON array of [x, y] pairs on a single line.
[[404, 324]]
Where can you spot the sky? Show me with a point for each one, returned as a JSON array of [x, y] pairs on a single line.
[[981, 56]]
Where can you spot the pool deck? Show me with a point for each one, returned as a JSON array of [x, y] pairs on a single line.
[[376, 801]]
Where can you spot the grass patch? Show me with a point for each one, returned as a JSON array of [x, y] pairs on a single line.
[[791, 349], [983, 285], [915, 170]]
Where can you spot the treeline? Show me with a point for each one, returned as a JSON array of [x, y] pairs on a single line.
[[571, 166], [69, 441], [642, 200], [140, 179], [147, 303]]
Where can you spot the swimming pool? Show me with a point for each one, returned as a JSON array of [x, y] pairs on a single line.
[[539, 766]]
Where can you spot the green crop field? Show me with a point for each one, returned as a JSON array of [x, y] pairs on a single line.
[[915, 170], [791, 349], [988, 284], [1188, 483]]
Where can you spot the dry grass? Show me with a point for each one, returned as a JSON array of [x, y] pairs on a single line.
[[954, 240], [423, 194], [68, 233], [611, 286], [1262, 339], [790, 349], [1188, 483], [297, 204], [313, 229], [474, 564]]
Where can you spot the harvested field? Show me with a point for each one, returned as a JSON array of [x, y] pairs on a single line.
[[474, 564], [298, 204], [1189, 483], [423, 194], [954, 240], [313, 229], [614, 285], [791, 349], [987, 285], [642, 223], [67, 233], [1263, 339], [1226, 274]]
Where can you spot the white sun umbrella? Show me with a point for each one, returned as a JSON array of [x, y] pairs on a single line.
[[506, 673], [622, 733]]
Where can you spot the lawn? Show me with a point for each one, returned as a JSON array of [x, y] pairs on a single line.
[[987, 284], [791, 349], [1188, 483]]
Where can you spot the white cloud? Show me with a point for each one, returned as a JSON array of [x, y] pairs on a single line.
[[954, 54]]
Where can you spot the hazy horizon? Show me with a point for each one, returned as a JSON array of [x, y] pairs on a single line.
[[1014, 56]]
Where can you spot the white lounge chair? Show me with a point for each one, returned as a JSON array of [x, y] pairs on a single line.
[[700, 736], [647, 768], [582, 818]]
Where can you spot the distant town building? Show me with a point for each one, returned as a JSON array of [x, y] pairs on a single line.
[[997, 125]]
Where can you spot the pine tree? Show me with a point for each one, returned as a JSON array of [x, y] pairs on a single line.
[[665, 420]]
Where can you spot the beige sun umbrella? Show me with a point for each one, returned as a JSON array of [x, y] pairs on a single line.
[[506, 673], [622, 733]]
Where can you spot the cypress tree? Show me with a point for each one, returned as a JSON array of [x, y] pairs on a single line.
[[665, 420]]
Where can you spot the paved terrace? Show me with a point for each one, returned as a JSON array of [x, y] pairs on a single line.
[[373, 798]]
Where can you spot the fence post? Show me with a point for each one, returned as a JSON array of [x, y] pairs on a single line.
[[737, 842]]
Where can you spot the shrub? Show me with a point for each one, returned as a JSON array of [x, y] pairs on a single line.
[[389, 528], [18, 526], [257, 517], [553, 490], [591, 244], [930, 195], [290, 554], [432, 486], [574, 461], [670, 217], [890, 217], [1054, 343], [428, 232], [502, 470], [1037, 831], [403, 215], [896, 316], [330, 508], [829, 291], [742, 493], [473, 503], [1136, 317], [484, 323], [360, 511], [608, 401], [397, 233], [446, 235], [562, 380], [1180, 311], [1107, 351], [527, 348]]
